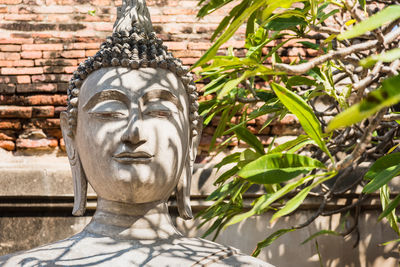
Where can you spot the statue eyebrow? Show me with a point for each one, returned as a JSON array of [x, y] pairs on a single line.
[[108, 94], [161, 94]]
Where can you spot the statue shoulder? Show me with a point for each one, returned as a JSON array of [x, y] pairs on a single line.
[[209, 253], [95, 250]]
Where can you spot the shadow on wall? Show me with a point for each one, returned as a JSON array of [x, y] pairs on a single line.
[[288, 251]]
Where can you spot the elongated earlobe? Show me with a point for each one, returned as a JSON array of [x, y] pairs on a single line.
[[183, 188], [183, 192], [78, 174]]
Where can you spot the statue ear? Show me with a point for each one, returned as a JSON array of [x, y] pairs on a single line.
[[183, 188], [78, 174]]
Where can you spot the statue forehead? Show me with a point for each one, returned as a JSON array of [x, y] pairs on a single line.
[[133, 81]]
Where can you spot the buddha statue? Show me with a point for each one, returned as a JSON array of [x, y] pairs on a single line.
[[131, 130]]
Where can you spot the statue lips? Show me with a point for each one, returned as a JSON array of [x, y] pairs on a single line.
[[133, 157]]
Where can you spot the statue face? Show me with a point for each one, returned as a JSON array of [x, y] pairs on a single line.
[[132, 133]]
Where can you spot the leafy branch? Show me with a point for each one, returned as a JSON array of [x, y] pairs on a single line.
[[345, 99]]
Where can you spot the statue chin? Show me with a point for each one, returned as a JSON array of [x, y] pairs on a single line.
[[131, 131]]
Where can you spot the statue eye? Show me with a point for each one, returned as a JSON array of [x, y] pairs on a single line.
[[158, 113], [110, 109]]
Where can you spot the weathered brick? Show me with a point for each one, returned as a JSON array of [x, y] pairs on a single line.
[[44, 100], [9, 56], [189, 61], [10, 48], [37, 87], [58, 110], [7, 145], [7, 63], [42, 111], [51, 54], [23, 79], [15, 112], [23, 63], [16, 41], [103, 27], [10, 2], [187, 53], [21, 71], [176, 45], [52, 9], [37, 144], [8, 135], [46, 47], [8, 79], [199, 46], [281, 129], [234, 44], [22, 17], [180, 11], [90, 53], [31, 54], [56, 133], [160, 19], [59, 69], [73, 53], [7, 88], [81, 46], [62, 87], [43, 124], [10, 124], [10, 99], [51, 78], [56, 62]]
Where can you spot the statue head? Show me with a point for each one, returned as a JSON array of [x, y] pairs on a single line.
[[131, 128]]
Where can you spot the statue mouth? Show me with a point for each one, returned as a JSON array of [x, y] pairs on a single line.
[[133, 157]]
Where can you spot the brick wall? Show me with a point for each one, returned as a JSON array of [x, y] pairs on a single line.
[[42, 42]]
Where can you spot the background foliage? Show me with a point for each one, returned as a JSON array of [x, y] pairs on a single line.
[[345, 100]]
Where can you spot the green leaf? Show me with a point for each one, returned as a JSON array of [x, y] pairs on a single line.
[[387, 56], [279, 24], [388, 242], [238, 21], [390, 207], [211, 7], [226, 175], [276, 168], [385, 198], [382, 178], [92, 12], [250, 139], [362, 3], [388, 14], [228, 159], [292, 204], [233, 83], [290, 144], [268, 241], [382, 164], [385, 96], [322, 232], [214, 85], [264, 201], [304, 113], [300, 80]]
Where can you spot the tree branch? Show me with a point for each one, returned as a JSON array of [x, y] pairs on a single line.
[[304, 67]]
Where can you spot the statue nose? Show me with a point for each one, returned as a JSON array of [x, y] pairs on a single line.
[[133, 132]]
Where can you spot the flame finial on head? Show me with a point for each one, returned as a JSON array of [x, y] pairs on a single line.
[[133, 12]]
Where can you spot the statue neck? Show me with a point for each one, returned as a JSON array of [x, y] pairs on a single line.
[[130, 221]]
